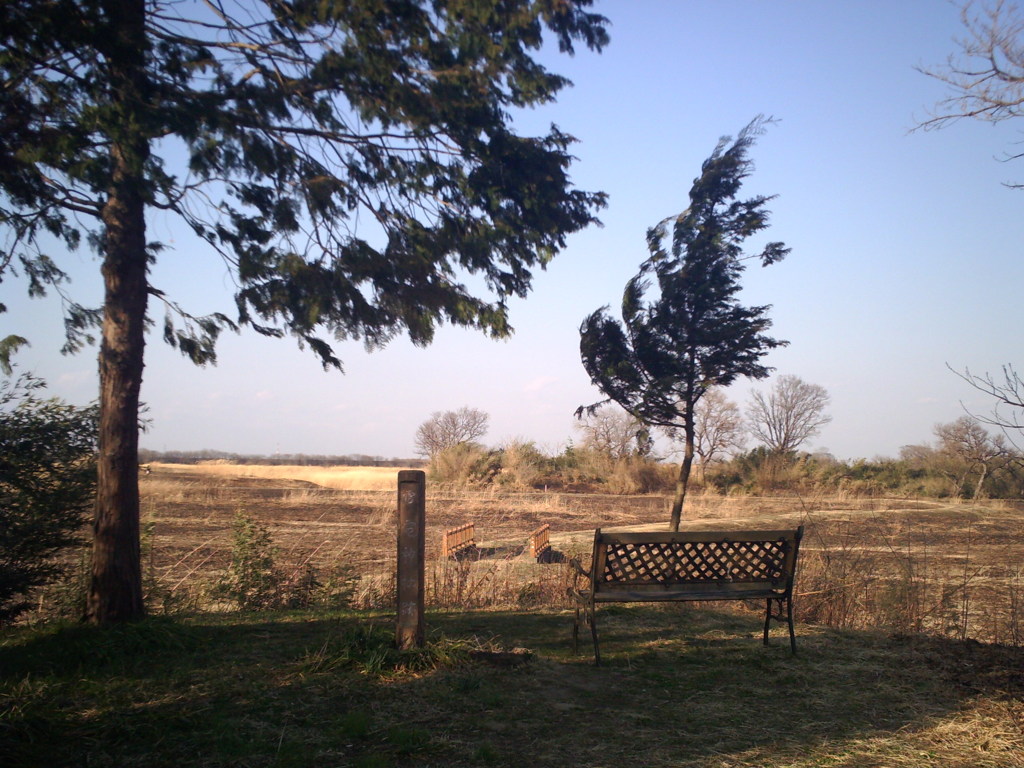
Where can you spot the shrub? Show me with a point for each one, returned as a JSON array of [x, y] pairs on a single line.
[[463, 464], [47, 486], [639, 475], [255, 581], [573, 467], [252, 582], [523, 465]]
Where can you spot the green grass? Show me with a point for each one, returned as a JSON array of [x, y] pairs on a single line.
[[678, 687]]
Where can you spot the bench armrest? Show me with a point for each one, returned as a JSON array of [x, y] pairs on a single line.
[[580, 570]]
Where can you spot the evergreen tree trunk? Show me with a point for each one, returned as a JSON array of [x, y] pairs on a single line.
[[115, 591], [683, 480]]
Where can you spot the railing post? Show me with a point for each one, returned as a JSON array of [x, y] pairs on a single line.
[[412, 502]]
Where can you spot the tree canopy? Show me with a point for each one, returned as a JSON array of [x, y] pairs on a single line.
[[351, 161], [348, 160], [683, 329], [718, 428], [614, 434], [970, 450]]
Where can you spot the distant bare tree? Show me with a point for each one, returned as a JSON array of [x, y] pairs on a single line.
[[926, 459], [792, 412], [917, 456], [444, 430], [613, 433], [987, 77], [973, 452], [718, 427]]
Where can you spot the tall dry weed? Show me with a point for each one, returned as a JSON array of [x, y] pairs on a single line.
[[1014, 628], [868, 574], [508, 581], [376, 590]]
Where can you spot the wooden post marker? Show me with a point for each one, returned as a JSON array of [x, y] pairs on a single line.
[[412, 502]]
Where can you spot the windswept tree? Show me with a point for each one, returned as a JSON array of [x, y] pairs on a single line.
[[447, 429], [683, 330], [351, 161], [790, 414]]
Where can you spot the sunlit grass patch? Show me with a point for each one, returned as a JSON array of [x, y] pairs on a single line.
[[339, 478]]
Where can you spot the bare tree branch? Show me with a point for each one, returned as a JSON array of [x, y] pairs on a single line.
[[986, 79], [1008, 412]]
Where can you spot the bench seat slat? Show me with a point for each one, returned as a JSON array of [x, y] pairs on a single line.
[[655, 595]]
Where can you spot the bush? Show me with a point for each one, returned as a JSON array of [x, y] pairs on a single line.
[[639, 475], [47, 486], [523, 465], [256, 581], [464, 464], [252, 581]]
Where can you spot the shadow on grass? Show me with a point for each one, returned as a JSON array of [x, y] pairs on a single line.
[[679, 687]]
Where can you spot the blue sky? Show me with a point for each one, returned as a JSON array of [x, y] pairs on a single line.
[[906, 246]]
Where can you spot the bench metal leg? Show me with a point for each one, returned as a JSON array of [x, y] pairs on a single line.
[[588, 613], [792, 631], [592, 617], [779, 615], [576, 631]]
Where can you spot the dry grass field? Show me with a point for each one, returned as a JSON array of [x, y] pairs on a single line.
[[337, 478], [910, 564], [679, 686]]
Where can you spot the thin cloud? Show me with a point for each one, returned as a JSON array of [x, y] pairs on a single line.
[[540, 383]]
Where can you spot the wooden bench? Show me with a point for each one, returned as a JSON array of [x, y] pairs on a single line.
[[458, 540], [689, 565]]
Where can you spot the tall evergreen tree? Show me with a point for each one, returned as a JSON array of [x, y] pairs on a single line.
[[683, 330], [350, 160]]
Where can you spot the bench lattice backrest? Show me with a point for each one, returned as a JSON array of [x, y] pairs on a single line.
[[694, 557]]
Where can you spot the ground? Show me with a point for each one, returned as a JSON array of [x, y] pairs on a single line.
[[497, 683], [928, 563]]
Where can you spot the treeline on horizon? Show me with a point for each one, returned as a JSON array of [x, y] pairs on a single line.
[[918, 471]]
